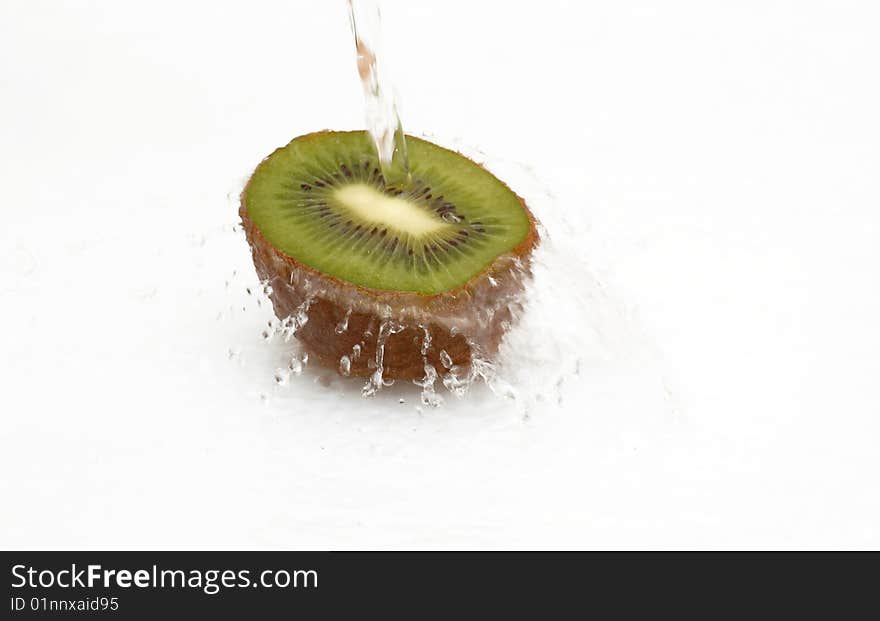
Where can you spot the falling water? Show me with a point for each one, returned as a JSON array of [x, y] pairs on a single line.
[[383, 122]]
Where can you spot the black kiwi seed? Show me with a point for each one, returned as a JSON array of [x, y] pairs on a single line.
[[305, 186]]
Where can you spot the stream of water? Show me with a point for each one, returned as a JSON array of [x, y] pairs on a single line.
[[383, 120]]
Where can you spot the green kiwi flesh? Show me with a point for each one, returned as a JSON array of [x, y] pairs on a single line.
[[323, 201]]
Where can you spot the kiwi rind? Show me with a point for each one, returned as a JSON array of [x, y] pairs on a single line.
[[464, 321]]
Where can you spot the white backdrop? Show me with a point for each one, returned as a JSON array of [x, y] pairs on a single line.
[[717, 163]]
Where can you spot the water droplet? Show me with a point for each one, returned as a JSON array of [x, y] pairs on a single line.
[[457, 385], [387, 328], [373, 384], [429, 395], [426, 342], [345, 365], [295, 365], [342, 326], [446, 359]]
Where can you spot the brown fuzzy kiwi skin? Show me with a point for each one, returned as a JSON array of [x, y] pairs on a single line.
[[477, 312]]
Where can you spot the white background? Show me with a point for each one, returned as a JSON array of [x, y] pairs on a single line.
[[718, 166]]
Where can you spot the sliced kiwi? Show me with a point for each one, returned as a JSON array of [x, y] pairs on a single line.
[[352, 251]]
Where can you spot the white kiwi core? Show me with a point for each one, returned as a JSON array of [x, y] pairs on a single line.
[[390, 212]]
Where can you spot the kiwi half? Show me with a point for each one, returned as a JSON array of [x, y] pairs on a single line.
[[387, 278]]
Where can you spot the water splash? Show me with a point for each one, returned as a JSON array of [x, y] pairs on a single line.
[[565, 328], [429, 394], [376, 380], [446, 359]]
